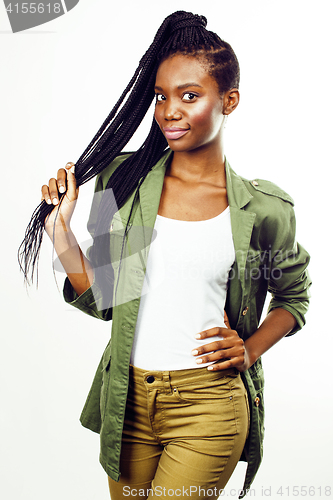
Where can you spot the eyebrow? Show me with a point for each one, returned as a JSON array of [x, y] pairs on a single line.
[[183, 86]]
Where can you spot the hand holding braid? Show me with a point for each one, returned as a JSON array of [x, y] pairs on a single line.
[[61, 189]]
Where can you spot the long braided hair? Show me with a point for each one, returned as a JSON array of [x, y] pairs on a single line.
[[181, 32]]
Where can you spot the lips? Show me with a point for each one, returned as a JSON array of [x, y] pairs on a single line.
[[175, 132]]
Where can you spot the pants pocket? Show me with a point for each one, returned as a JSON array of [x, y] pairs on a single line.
[[206, 391]]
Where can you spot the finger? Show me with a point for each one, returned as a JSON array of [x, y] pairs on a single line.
[[230, 362], [46, 194], [226, 320], [70, 166], [213, 356], [224, 343], [211, 332], [212, 346], [210, 358], [223, 334], [72, 190], [233, 352], [53, 189], [221, 366], [61, 180]]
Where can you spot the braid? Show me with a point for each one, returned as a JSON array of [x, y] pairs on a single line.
[[181, 32]]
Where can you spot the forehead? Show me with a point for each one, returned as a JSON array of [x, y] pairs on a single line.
[[179, 69]]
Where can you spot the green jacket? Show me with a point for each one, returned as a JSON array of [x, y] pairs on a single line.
[[267, 259]]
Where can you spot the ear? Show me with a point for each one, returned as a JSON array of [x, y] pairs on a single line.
[[230, 101]]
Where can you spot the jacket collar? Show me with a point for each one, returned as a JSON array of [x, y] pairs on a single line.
[[151, 189], [238, 195], [242, 221]]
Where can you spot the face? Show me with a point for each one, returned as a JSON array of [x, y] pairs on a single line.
[[189, 107]]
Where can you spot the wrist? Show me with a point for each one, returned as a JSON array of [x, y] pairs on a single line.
[[251, 355], [57, 228], [62, 239]]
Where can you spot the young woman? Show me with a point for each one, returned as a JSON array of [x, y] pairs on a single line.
[[179, 238]]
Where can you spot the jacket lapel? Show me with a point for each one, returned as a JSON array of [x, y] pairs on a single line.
[[151, 189], [242, 221]]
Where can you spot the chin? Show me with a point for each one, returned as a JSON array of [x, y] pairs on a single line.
[[182, 148]]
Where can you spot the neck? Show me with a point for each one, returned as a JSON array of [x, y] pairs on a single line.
[[200, 165]]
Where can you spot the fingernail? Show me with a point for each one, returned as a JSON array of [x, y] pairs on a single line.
[[198, 336], [55, 201], [198, 361], [210, 368], [195, 352], [72, 169], [62, 189], [48, 201]]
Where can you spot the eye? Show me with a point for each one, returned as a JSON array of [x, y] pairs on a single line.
[[189, 96], [159, 97]]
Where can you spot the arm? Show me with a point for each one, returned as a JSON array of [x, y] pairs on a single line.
[[289, 285], [76, 265], [234, 352], [276, 325]]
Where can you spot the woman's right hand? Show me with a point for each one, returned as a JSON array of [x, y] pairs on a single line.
[[51, 193], [75, 264]]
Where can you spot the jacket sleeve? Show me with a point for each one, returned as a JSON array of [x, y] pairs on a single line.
[[289, 279], [91, 301]]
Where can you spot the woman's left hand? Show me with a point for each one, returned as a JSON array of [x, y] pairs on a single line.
[[230, 350]]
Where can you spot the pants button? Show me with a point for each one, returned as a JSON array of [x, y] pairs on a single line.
[[150, 379]]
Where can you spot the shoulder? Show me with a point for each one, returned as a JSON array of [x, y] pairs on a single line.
[[103, 178], [271, 204], [255, 194], [262, 189], [275, 216], [273, 208]]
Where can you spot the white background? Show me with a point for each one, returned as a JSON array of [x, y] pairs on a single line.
[[58, 83]]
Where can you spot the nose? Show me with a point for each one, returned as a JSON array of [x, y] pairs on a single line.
[[171, 112]]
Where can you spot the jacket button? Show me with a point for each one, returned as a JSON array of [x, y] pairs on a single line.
[[150, 379], [245, 311], [255, 183], [257, 401]]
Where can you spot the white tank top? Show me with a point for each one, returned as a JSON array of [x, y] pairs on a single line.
[[186, 278]]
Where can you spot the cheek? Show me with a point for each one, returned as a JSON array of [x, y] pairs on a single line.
[[157, 116], [206, 117]]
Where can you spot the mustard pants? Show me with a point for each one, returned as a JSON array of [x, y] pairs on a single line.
[[183, 435]]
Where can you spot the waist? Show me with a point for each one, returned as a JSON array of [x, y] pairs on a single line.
[[175, 377]]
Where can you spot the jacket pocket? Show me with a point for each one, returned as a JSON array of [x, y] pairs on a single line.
[[257, 398]]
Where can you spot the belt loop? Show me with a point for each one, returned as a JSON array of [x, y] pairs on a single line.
[[166, 381]]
